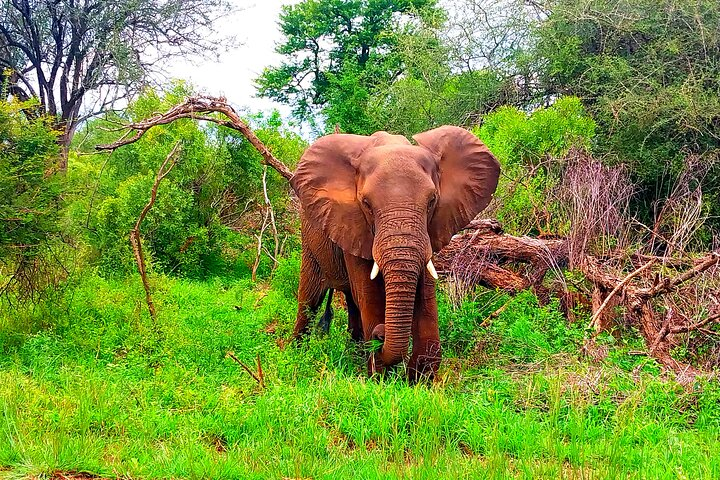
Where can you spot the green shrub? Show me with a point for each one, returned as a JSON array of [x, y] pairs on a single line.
[[286, 278], [210, 200], [530, 149], [30, 200], [526, 332], [515, 137], [523, 332]]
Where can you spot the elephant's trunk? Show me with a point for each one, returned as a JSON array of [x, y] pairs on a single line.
[[401, 281], [402, 248]]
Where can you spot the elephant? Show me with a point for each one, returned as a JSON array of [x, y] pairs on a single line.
[[373, 210]]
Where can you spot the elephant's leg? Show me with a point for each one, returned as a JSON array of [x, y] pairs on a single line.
[[310, 293], [426, 352], [368, 295], [354, 320], [324, 323]]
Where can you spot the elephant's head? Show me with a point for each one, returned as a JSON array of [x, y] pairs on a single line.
[[383, 199]]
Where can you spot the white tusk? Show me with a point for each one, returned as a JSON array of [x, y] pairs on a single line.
[[375, 271], [431, 269]]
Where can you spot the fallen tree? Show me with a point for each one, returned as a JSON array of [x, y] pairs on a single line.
[[632, 276], [484, 255]]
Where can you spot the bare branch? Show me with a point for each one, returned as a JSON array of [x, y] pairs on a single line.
[[135, 238], [615, 290], [198, 108]]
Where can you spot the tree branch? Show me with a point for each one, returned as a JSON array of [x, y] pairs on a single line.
[[615, 290], [197, 108], [135, 238]]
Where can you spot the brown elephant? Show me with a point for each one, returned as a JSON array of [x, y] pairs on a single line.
[[374, 209]]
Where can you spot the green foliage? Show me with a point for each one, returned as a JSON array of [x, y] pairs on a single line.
[[647, 71], [95, 377], [530, 149], [286, 278], [517, 138], [337, 53], [210, 197], [430, 93], [523, 332], [32, 254], [28, 191], [526, 332]]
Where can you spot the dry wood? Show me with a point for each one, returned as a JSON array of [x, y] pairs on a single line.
[[494, 314], [488, 257], [475, 257], [618, 287], [271, 216], [259, 377], [268, 221], [669, 284], [258, 251], [199, 108], [135, 238]]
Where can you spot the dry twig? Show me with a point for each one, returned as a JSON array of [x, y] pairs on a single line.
[[259, 377], [135, 238], [618, 287]]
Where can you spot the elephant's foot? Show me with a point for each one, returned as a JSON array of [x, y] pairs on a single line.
[[422, 367], [300, 332]]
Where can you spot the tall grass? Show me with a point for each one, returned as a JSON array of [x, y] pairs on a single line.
[[90, 385]]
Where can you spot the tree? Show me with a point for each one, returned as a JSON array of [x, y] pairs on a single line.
[[647, 71], [488, 34], [29, 199], [433, 90], [70, 52], [337, 52]]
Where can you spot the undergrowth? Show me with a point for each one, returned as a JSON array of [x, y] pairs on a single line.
[[89, 384]]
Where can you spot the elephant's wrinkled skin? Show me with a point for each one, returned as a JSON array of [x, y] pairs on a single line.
[[382, 199]]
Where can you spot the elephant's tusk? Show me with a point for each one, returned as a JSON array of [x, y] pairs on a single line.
[[431, 269], [375, 271]]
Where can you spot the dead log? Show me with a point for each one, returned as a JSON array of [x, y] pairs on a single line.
[[484, 255], [476, 257]]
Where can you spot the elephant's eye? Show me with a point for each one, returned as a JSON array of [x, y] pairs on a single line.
[[367, 204]]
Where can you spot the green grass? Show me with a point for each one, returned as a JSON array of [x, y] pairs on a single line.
[[88, 384]]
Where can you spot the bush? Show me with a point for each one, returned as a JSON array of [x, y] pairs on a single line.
[[30, 199], [287, 275], [523, 332], [209, 201], [530, 149]]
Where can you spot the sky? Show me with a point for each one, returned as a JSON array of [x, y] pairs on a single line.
[[255, 25]]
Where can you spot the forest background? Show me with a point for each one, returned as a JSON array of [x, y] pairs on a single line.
[[605, 117]]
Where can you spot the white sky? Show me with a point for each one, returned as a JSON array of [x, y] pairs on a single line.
[[232, 75]]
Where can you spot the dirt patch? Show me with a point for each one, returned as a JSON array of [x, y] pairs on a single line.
[[465, 449], [271, 327], [71, 475], [219, 444]]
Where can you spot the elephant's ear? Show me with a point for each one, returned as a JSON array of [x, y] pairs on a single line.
[[468, 175], [325, 182]]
